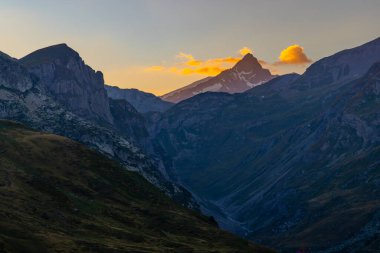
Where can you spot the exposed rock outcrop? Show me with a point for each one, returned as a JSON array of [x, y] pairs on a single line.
[[70, 81]]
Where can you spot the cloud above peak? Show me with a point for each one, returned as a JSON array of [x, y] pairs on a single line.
[[190, 65], [191, 61], [294, 54], [245, 50]]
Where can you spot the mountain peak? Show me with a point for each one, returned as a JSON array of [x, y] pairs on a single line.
[[246, 74], [60, 52], [248, 63], [74, 84], [248, 56]]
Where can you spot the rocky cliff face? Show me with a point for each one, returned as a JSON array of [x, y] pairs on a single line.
[[289, 160], [12, 75], [70, 81], [247, 73], [24, 98]]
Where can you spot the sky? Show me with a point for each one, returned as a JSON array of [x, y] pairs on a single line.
[[161, 45]]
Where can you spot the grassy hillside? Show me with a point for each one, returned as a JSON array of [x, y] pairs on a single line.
[[58, 196]]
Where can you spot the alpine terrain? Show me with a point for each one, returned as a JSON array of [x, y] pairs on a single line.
[[267, 139]]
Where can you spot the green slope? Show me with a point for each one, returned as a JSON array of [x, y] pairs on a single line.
[[58, 196]]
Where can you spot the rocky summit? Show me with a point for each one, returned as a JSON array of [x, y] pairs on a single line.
[[72, 83], [246, 74]]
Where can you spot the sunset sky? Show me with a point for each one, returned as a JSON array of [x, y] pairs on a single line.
[[160, 45]]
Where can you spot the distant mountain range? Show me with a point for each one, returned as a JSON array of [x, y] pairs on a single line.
[[143, 102], [246, 74], [293, 163]]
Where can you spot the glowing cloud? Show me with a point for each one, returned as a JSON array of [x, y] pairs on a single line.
[[223, 60], [191, 61], [209, 71], [191, 65], [294, 54], [155, 68], [244, 51]]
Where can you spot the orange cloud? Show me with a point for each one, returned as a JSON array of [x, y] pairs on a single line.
[[209, 71], [245, 50], [293, 54], [155, 68], [191, 65], [191, 61], [223, 60]]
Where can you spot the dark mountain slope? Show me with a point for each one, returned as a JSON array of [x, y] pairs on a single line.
[[288, 161], [58, 196], [127, 120]]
